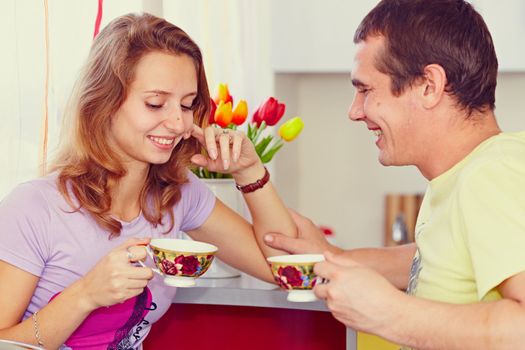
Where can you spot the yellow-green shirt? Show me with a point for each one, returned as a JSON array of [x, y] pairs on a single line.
[[470, 232]]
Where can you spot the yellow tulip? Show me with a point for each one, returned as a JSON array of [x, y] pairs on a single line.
[[291, 129], [223, 94]]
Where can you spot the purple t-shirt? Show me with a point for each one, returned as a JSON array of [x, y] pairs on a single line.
[[41, 236]]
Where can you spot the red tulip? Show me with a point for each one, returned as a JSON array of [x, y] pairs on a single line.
[[213, 108], [270, 112]]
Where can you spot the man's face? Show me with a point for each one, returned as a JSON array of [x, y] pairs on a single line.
[[394, 120]]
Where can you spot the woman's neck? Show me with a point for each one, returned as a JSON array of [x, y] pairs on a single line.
[[125, 194]]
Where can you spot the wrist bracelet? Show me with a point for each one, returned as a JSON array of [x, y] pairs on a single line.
[[37, 331], [255, 185]]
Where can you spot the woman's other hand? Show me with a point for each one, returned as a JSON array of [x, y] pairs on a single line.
[[115, 278], [229, 151]]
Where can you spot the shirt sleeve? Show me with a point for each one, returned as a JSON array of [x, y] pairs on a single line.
[[198, 203], [492, 204], [24, 221]]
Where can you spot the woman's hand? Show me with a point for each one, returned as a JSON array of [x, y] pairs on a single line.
[[229, 151], [115, 278]]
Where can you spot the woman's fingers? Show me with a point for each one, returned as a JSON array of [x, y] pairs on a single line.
[[236, 146], [210, 142], [223, 145], [224, 142], [136, 253]]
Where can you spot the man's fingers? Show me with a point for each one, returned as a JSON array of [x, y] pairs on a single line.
[[340, 260], [326, 269], [321, 291], [282, 242], [297, 218]]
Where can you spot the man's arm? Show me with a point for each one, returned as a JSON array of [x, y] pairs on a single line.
[[393, 262], [364, 300]]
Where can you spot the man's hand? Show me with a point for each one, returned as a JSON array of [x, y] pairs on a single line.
[[310, 238], [355, 294]]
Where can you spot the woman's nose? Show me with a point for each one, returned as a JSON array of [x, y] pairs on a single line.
[[175, 121]]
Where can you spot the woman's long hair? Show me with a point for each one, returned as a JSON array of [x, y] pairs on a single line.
[[85, 162]]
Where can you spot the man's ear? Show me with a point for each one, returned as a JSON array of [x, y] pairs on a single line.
[[433, 85]]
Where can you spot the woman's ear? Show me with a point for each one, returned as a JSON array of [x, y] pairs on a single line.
[[433, 86]]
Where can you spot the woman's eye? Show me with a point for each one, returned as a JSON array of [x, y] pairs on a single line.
[[187, 108], [153, 106]]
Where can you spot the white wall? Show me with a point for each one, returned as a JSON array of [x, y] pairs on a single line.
[[330, 172], [22, 68]]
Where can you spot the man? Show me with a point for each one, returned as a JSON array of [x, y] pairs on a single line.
[[425, 77]]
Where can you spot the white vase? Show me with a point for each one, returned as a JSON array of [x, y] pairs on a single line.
[[225, 190]]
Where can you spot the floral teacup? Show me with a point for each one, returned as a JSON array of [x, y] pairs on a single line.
[[295, 273], [180, 261]]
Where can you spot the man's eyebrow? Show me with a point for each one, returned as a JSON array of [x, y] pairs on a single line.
[[358, 83]]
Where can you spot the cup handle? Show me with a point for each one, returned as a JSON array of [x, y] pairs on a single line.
[[154, 269]]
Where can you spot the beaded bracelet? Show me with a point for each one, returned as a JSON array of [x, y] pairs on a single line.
[[37, 331]]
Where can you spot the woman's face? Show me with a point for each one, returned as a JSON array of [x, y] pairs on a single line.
[[158, 111]]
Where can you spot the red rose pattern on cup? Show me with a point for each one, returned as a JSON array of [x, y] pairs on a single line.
[[295, 277], [181, 265]]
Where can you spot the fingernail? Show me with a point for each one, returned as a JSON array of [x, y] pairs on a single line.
[[268, 238], [213, 154], [226, 163]]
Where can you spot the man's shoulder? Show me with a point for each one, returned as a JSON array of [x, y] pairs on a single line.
[[499, 156]]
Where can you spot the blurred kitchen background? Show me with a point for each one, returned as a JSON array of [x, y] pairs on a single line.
[[299, 51]]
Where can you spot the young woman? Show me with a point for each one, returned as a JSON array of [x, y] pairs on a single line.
[[70, 239]]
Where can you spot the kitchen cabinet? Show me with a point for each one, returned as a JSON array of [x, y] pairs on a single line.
[[317, 36], [246, 313]]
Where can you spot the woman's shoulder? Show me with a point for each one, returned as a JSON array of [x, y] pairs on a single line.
[[36, 188], [197, 202], [29, 199]]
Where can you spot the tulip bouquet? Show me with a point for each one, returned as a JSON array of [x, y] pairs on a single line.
[[268, 114]]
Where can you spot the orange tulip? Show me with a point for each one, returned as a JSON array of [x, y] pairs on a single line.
[[223, 94], [240, 113], [223, 115]]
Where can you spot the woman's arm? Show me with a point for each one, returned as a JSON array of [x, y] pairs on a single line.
[[234, 237], [113, 280], [232, 152], [268, 212], [56, 321]]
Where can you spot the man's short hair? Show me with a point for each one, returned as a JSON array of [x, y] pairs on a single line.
[[445, 32]]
